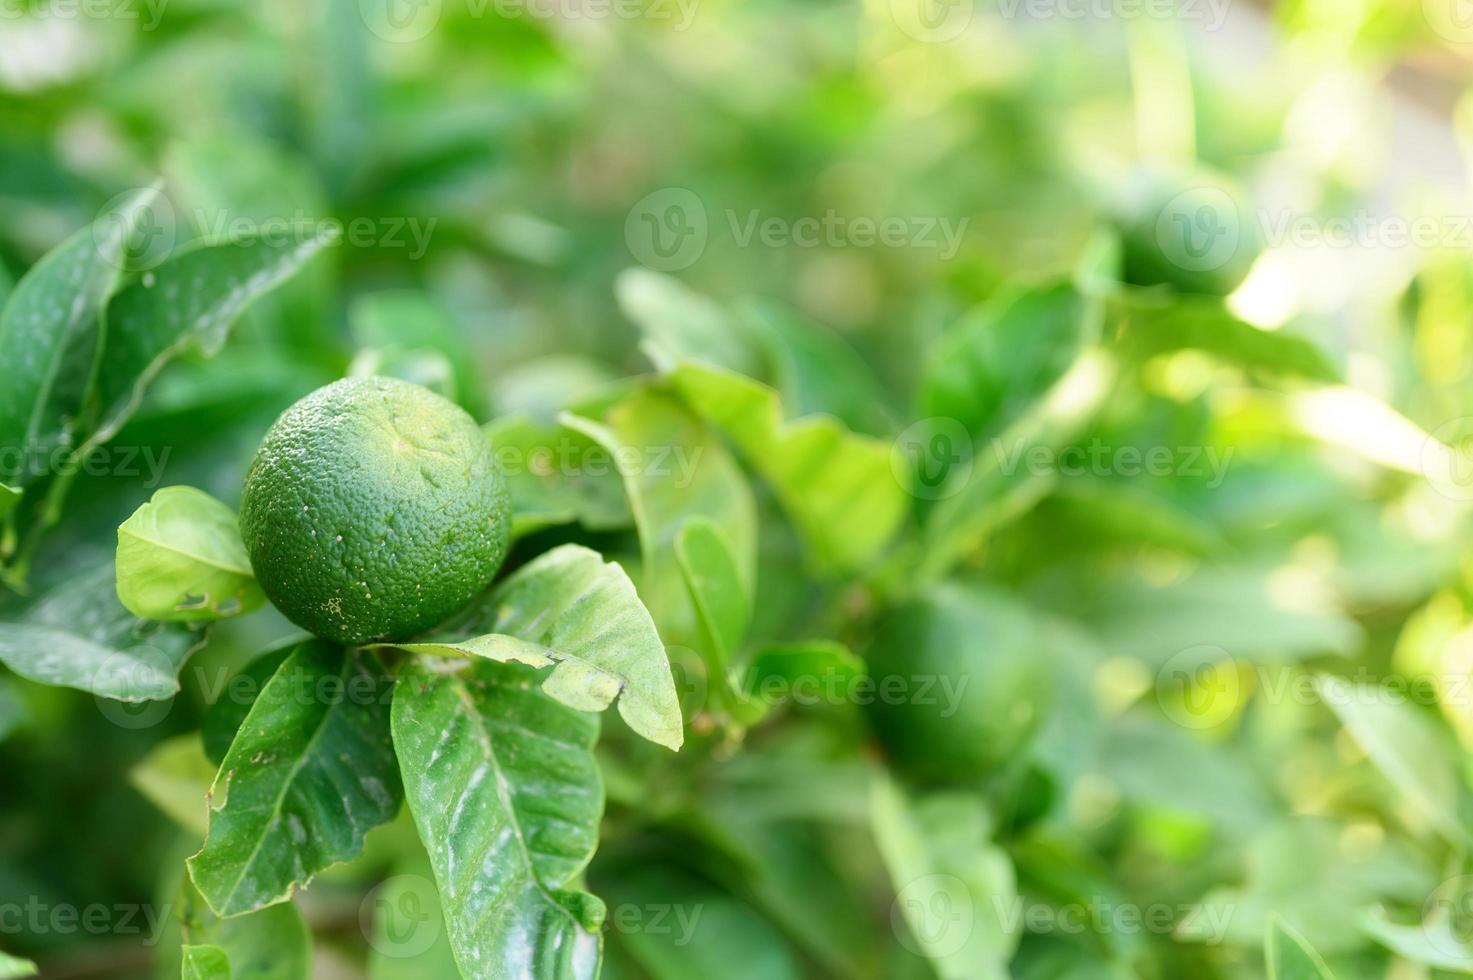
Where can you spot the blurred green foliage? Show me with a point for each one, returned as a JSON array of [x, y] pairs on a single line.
[[1078, 283]]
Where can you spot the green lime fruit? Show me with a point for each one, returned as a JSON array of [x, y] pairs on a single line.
[[1192, 231], [962, 679], [373, 510]]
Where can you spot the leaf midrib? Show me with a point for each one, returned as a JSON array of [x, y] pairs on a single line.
[[503, 794], [286, 785], [176, 549]]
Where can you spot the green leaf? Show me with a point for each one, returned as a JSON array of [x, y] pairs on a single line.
[[557, 475], [574, 612], [838, 487], [51, 335], [180, 559], [175, 777], [953, 887], [998, 486], [1297, 869], [1290, 957], [722, 598], [1231, 607], [723, 605], [1437, 941], [992, 368], [409, 939], [426, 368], [310, 772], [204, 963], [674, 469], [681, 323], [272, 944], [405, 320], [818, 372], [688, 929], [14, 968], [233, 704], [782, 671], [1155, 324], [188, 303], [79, 635], [9, 497], [13, 713], [504, 789], [1408, 747]]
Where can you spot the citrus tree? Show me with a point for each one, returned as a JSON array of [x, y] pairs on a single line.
[[738, 492]]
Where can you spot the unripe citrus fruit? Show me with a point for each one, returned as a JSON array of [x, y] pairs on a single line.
[[963, 677], [373, 510]]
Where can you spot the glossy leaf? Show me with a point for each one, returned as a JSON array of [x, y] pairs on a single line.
[[181, 559], [9, 497], [574, 612], [310, 772], [79, 635], [234, 700], [503, 787], [204, 963], [674, 469], [839, 488], [51, 334], [1290, 957], [188, 303]]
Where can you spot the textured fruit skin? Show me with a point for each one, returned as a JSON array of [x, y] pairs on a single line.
[[373, 510], [987, 650]]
